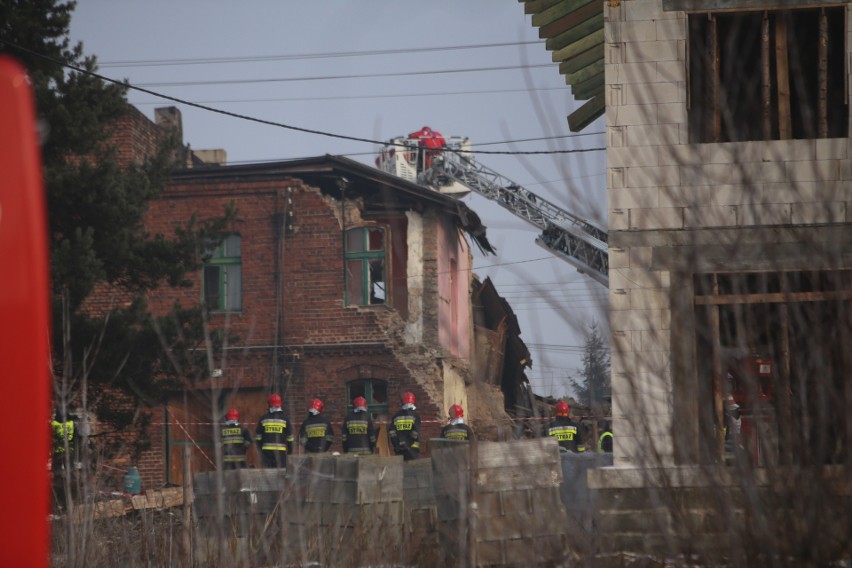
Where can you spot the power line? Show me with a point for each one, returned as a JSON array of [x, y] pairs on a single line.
[[271, 122], [300, 56], [336, 77], [370, 97]]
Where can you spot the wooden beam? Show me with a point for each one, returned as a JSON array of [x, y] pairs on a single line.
[[558, 11], [583, 60], [578, 47], [585, 73], [586, 114], [822, 66], [535, 6], [713, 118], [586, 10], [766, 77], [782, 76], [717, 370], [576, 33], [784, 392], [773, 298]]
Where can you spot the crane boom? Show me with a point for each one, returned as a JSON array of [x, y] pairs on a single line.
[[580, 242]]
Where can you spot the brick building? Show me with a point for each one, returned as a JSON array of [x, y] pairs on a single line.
[[338, 280]]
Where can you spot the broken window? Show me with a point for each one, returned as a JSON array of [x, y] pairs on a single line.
[[222, 276], [366, 268], [767, 75], [773, 366], [375, 392]]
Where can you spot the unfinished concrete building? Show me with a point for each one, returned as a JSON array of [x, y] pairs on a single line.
[[730, 242]]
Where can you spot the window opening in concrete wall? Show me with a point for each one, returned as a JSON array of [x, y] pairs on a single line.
[[222, 276], [774, 366], [366, 267], [375, 391], [767, 75]]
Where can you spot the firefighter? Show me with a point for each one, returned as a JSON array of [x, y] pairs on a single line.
[[430, 142], [605, 438], [359, 437], [64, 434], [64, 437], [404, 429], [274, 435], [565, 430], [236, 441], [316, 434], [457, 429]]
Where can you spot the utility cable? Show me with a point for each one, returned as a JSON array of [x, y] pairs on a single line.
[[248, 118], [296, 57], [336, 77]]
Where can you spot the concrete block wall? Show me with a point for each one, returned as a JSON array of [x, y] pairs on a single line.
[[659, 182]]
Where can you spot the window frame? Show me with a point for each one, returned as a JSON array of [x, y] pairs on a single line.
[[374, 408], [366, 257], [215, 257]]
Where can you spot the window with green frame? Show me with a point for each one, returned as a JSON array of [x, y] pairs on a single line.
[[366, 272], [222, 276], [374, 390]]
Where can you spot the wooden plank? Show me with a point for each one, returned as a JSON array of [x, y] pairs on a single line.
[[782, 78], [557, 11], [584, 59], [766, 77], [586, 114], [713, 118], [584, 10], [773, 298], [585, 73], [784, 392], [822, 96], [591, 92], [579, 46], [535, 6], [576, 33], [699, 6], [716, 363]]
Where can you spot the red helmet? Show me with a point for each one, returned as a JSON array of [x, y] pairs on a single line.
[[359, 402], [407, 398], [456, 411], [562, 408], [316, 404], [232, 415], [274, 400]]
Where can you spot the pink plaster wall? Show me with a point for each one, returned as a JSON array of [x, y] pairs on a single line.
[[454, 274]]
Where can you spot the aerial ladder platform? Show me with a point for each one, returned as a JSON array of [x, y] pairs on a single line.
[[448, 166]]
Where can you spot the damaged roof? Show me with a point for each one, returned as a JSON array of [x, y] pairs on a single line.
[[337, 176], [574, 30]]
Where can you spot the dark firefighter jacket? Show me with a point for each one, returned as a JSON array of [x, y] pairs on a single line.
[[404, 433], [359, 437], [235, 441], [316, 433], [457, 432], [605, 442], [274, 433], [566, 432]]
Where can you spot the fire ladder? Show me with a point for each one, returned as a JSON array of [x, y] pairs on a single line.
[[579, 242]]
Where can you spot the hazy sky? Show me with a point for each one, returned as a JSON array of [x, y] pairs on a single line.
[[378, 69]]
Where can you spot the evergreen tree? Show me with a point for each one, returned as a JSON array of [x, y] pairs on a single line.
[[594, 378], [95, 212]]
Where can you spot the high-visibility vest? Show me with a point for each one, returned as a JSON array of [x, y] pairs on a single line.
[[601, 440], [61, 432]]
